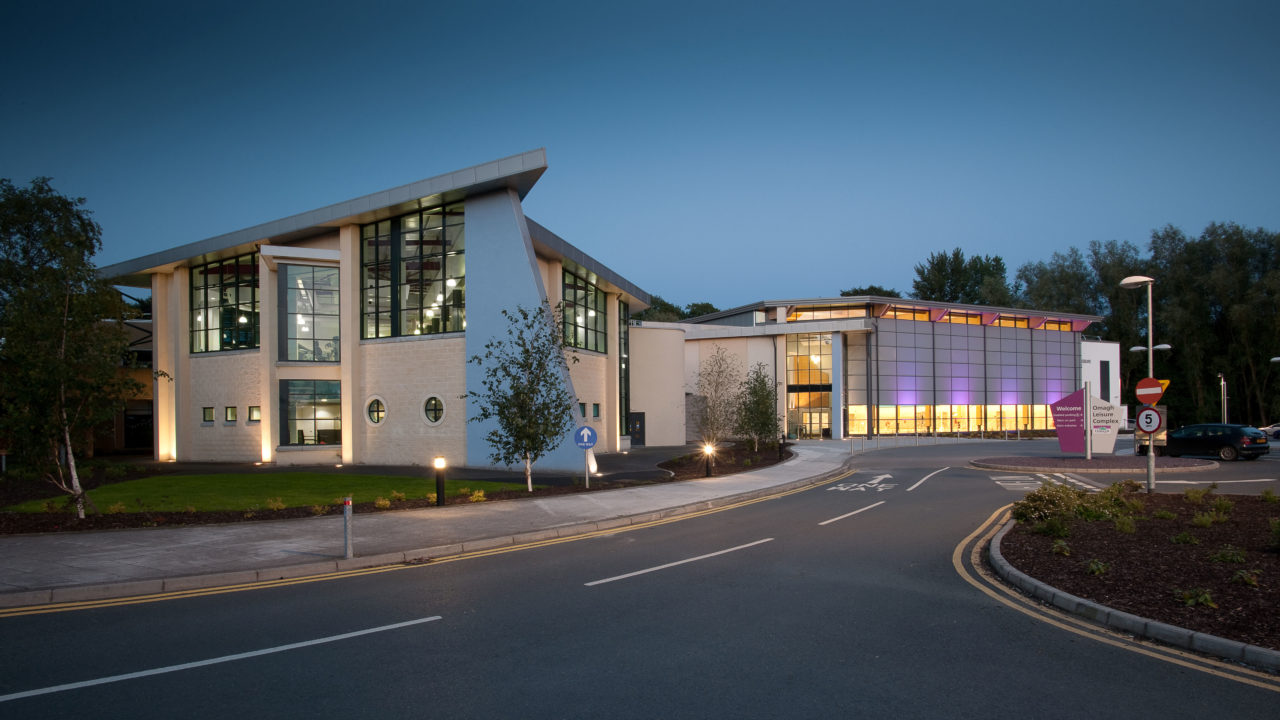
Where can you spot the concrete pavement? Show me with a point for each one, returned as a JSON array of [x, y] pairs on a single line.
[[77, 566]]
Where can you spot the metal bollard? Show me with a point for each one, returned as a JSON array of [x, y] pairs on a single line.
[[346, 527]]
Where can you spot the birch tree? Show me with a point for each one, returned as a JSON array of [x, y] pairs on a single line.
[[62, 336], [524, 390]]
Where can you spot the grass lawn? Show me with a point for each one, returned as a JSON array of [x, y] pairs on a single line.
[[181, 493]]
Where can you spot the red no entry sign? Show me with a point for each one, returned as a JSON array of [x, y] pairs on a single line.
[[1149, 391]]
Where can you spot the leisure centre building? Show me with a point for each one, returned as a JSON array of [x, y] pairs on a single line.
[[341, 336]]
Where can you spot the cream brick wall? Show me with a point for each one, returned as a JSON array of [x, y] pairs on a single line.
[[404, 373], [590, 385], [221, 380]]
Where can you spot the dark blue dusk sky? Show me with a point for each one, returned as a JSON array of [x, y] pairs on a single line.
[[717, 151]]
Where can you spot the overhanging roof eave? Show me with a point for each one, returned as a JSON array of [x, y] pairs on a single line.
[[517, 172]]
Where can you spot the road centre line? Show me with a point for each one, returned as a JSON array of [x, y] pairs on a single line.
[[211, 661], [855, 512], [678, 562], [926, 477]]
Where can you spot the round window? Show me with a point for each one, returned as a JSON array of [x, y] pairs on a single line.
[[377, 411], [433, 409]]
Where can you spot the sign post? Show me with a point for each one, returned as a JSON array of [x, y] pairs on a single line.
[[585, 438], [1149, 391]]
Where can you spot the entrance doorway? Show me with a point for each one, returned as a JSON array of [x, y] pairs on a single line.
[[635, 428]]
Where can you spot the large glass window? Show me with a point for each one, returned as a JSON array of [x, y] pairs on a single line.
[[809, 385], [586, 324], [624, 368], [826, 312], [413, 271], [309, 298], [224, 304], [310, 412], [809, 359]]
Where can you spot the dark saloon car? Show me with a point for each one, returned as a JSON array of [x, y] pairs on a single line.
[[1228, 442]]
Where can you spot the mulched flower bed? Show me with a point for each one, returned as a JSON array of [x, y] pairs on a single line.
[[1150, 575], [728, 460]]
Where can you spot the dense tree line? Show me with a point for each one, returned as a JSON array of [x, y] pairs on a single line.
[[1216, 298]]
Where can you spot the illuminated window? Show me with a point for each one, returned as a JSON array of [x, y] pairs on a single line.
[[585, 317], [229, 414], [826, 312], [624, 367], [309, 304], [206, 414], [433, 409], [905, 313], [1059, 325], [1013, 322], [413, 274], [224, 305], [255, 413], [377, 411], [809, 367], [960, 318], [311, 412]]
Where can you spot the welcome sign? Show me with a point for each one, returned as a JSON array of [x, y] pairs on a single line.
[[1103, 421]]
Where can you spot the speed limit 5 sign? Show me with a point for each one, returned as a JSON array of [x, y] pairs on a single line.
[[1148, 420]]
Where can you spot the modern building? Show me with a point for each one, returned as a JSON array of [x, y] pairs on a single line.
[[871, 365], [342, 335]]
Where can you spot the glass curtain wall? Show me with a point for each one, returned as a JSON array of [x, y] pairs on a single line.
[[311, 313], [586, 322], [924, 419], [413, 273], [809, 385], [224, 305], [624, 369]]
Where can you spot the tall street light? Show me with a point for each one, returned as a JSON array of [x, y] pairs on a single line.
[[1133, 282], [1222, 382]]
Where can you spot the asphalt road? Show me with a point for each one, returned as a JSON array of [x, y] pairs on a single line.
[[838, 601]]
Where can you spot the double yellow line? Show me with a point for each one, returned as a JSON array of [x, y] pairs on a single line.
[[967, 560], [340, 575]]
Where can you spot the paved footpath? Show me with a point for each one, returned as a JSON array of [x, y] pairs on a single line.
[[74, 566]]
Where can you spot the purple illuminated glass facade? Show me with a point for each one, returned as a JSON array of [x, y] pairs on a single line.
[[909, 376]]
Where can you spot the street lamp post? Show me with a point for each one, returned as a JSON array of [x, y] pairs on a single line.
[[1133, 282], [1222, 384], [439, 466], [708, 450]]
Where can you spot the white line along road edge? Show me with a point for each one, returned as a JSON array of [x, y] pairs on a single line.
[[211, 661]]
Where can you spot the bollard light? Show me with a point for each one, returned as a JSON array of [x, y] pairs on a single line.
[[708, 450], [439, 465]]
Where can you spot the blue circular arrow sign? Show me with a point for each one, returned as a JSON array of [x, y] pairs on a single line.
[[585, 437]]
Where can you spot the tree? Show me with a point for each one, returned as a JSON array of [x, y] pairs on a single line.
[[718, 381], [660, 310], [525, 389], [758, 406], [699, 308], [1066, 284], [875, 290], [949, 277], [62, 336]]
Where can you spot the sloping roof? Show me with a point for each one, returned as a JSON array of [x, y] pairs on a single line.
[[517, 172], [898, 302], [547, 242]]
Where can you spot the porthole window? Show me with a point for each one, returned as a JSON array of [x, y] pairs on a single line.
[[377, 411], [433, 410]]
